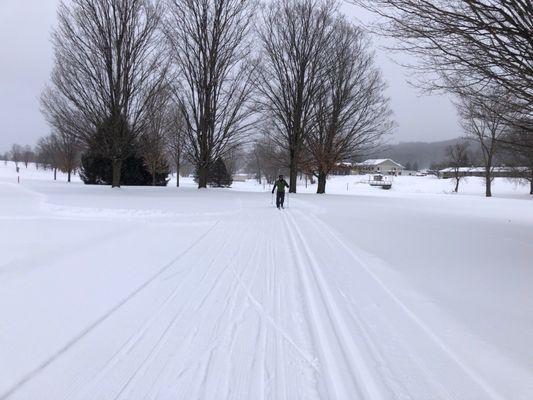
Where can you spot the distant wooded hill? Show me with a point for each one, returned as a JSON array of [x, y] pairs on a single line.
[[421, 153]]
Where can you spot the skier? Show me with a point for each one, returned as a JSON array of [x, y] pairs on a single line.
[[280, 185]]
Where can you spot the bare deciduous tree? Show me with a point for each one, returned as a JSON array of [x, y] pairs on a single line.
[[176, 139], [475, 42], [484, 119], [153, 139], [210, 42], [27, 155], [47, 153], [457, 158], [66, 123], [265, 159], [68, 152], [108, 67], [352, 113], [294, 35], [16, 153], [521, 149]]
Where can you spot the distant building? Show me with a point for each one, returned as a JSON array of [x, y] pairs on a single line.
[[497, 172], [344, 168], [384, 166], [240, 177]]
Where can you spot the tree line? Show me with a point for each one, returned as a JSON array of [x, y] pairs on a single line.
[[291, 83], [197, 81]]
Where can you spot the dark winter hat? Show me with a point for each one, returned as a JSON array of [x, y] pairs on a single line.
[[281, 177]]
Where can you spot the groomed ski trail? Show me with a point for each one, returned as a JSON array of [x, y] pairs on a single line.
[[262, 305]]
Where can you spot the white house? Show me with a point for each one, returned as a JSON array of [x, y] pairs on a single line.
[[384, 166]]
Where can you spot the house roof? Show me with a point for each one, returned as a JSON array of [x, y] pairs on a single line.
[[379, 161]]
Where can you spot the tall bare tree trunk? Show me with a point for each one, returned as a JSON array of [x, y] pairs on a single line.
[[457, 179], [531, 182], [55, 174], [202, 177], [488, 181], [321, 182], [117, 167], [68, 176], [293, 174], [177, 174]]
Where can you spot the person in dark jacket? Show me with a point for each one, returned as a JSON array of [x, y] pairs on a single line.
[[280, 186]]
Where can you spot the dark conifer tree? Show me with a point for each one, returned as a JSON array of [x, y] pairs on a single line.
[[97, 169], [218, 174]]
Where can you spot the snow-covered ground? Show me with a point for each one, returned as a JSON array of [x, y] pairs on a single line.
[[165, 293]]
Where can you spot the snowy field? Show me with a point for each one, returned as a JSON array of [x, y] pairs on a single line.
[[165, 293]]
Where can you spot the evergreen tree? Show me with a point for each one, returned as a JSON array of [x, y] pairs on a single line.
[[218, 175], [96, 169]]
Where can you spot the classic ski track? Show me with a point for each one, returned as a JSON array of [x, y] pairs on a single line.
[[262, 338], [353, 360], [70, 344], [265, 315], [302, 328], [164, 335], [230, 294], [232, 325], [387, 373], [243, 308], [311, 321], [138, 335], [322, 227]]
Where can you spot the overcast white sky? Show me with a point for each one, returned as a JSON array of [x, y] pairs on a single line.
[[26, 62]]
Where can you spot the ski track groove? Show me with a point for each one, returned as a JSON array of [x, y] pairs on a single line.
[[221, 331], [279, 330], [361, 376], [233, 325], [253, 260], [396, 385], [138, 335], [158, 344], [70, 344], [331, 234], [131, 346]]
